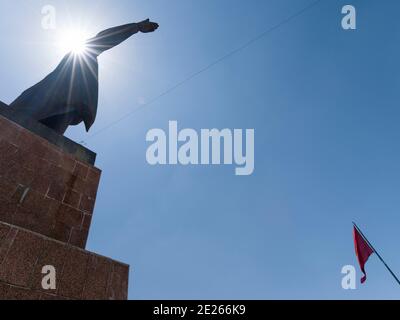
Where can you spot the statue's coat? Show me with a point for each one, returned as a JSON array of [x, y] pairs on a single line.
[[72, 88]]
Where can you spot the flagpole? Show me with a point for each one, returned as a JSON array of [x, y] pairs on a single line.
[[376, 252]]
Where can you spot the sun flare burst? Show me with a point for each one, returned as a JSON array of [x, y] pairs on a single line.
[[73, 40]]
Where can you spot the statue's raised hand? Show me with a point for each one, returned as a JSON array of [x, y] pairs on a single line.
[[147, 26]]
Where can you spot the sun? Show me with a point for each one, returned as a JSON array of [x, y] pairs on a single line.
[[73, 40]]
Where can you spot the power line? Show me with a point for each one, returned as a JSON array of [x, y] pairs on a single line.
[[206, 68]]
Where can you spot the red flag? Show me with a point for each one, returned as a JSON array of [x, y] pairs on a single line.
[[363, 251]]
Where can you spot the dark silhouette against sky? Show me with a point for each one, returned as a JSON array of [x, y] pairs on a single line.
[[69, 95]]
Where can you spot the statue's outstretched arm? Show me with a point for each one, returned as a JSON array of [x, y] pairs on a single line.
[[112, 37]]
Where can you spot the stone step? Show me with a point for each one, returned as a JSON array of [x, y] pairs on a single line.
[[79, 274]]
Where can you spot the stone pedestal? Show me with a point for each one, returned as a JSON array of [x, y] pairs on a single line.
[[48, 187]]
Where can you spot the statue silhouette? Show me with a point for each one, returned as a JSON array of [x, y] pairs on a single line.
[[69, 95]]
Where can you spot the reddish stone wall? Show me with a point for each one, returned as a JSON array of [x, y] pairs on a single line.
[[47, 198], [44, 189], [80, 274]]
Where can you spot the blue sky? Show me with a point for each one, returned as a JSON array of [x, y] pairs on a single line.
[[324, 106]]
